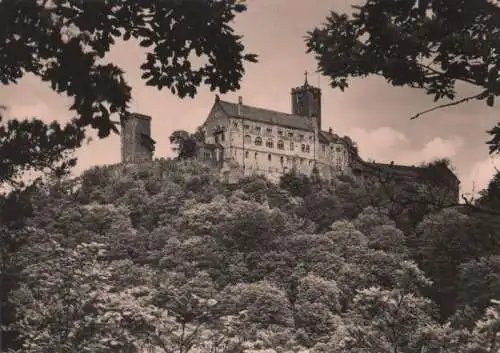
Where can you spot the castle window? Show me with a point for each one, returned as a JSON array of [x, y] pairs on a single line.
[[303, 148], [281, 145], [235, 124], [247, 139], [308, 148], [246, 127], [310, 162], [258, 141], [301, 160], [256, 154], [292, 146], [301, 136], [269, 130], [246, 154], [257, 129], [290, 134], [280, 132], [269, 143], [269, 157], [281, 160]]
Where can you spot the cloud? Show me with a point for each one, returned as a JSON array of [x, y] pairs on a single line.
[[379, 140], [441, 148]]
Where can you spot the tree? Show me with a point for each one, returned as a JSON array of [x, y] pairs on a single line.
[[490, 197], [62, 43], [185, 143], [427, 44]]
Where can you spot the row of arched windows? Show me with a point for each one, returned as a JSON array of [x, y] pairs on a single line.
[[270, 143]]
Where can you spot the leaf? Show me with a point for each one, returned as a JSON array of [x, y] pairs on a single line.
[[146, 43], [490, 100]]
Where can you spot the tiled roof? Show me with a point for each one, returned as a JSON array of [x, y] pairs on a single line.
[[268, 116], [327, 137], [404, 170]]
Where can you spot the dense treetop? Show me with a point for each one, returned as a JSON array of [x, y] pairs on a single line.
[[165, 256]]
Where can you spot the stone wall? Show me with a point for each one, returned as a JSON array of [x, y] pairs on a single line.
[[135, 130]]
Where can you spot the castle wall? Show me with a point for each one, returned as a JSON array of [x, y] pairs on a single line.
[[264, 148], [133, 148]]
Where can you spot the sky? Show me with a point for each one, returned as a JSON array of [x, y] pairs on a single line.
[[373, 113]]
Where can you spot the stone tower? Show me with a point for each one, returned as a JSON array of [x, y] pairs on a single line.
[[136, 143], [306, 101]]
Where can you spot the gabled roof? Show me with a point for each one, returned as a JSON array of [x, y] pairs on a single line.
[[267, 116]]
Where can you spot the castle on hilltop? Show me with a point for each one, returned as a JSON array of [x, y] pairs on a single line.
[[242, 140]]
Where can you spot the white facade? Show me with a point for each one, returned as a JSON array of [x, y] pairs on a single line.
[[261, 141]]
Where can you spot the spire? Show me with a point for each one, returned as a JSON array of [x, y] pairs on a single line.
[[305, 82]]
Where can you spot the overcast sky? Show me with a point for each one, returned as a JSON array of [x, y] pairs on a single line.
[[372, 112]]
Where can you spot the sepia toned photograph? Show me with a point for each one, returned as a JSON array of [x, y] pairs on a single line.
[[249, 176]]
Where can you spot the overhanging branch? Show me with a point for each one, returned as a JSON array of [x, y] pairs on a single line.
[[463, 100]]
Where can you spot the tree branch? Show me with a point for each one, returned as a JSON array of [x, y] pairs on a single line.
[[463, 100]]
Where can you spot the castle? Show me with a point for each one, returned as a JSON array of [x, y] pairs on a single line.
[[242, 140]]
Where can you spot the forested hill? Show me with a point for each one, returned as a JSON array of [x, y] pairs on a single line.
[[164, 258]]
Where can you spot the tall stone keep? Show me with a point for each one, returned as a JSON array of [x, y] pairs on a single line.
[[137, 146], [306, 101]]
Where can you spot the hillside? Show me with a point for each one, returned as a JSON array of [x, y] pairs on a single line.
[[165, 258]]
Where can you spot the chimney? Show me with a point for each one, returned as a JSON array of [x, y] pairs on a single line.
[[217, 98], [240, 103], [330, 131]]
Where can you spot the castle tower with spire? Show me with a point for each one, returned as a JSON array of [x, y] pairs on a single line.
[[137, 146], [306, 101]]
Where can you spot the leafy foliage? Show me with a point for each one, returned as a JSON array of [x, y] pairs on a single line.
[[62, 43], [186, 144], [141, 258], [430, 45]]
